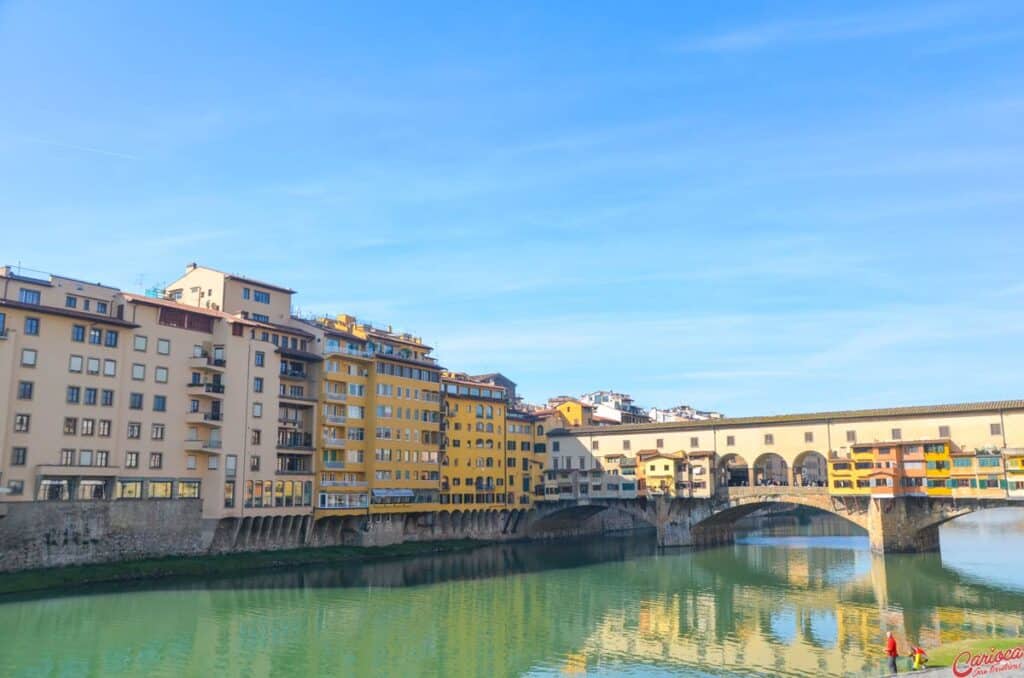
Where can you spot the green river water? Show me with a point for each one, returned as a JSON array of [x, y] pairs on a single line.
[[792, 598]]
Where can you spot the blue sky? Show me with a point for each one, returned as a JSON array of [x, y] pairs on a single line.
[[756, 208]]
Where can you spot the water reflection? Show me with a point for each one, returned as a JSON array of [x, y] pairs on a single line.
[[605, 607]]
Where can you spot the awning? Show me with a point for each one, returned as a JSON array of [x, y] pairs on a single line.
[[392, 493]]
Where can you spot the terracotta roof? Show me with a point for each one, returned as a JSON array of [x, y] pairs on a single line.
[[299, 355], [811, 417], [167, 303], [67, 313], [252, 281]]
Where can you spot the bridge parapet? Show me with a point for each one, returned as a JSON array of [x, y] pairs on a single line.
[[772, 491]]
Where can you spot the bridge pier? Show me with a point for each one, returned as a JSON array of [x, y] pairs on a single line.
[[903, 525]]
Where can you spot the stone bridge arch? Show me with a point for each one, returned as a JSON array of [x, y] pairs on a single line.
[[770, 468], [911, 524], [810, 469], [734, 471]]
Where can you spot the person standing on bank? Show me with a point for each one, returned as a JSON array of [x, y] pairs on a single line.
[[891, 651]]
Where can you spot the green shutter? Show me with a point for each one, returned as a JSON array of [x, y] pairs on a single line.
[[1002, 483], [974, 482]]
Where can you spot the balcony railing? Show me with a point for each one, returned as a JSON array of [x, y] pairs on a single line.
[[334, 465], [200, 443], [199, 415], [204, 360], [331, 441], [340, 397], [293, 373], [301, 441], [343, 483], [207, 386], [334, 418]]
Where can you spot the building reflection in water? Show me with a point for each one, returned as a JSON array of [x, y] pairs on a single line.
[[602, 606]]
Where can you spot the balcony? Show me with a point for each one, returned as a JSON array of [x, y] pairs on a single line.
[[295, 441], [337, 419], [294, 464], [331, 441], [293, 373], [202, 445], [207, 362], [290, 421], [338, 397], [333, 465], [205, 387], [207, 418], [343, 483]]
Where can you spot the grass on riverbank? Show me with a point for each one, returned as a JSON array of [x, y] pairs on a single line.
[[943, 656], [205, 566]]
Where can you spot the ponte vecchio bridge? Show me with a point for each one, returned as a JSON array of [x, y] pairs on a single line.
[[897, 473]]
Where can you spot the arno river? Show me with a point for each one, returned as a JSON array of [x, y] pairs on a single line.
[[790, 600]]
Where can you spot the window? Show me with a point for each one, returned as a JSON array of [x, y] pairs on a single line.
[[131, 459], [808, 437], [190, 462], [134, 430], [85, 457], [851, 436], [730, 441], [88, 427], [159, 403], [257, 409], [32, 327], [73, 394], [67, 457], [71, 301], [70, 425], [769, 439], [18, 486], [555, 446], [107, 398], [262, 318], [230, 465], [22, 423], [163, 346], [254, 463], [138, 372], [995, 429], [110, 339], [261, 297], [659, 443], [90, 396], [257, 384], [129, 489], [156, 460], [109, 368], [78, 333], [897, 434], [139, 342], [135, 401], [245, 292], [159, 489], [92, 366], [160, 375], [18, 456], [694, 442], [188, 489], [229, 494], [260, 358], [256, 436], [26, 296], [625, 444], [157, 432], [29, 357], [25, 390], [75, 363], [943, 431], [103, 428], [101, 307], [95, 336]]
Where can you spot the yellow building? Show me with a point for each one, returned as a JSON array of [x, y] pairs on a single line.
[[938, 463], [475, 465], [1014, 469], [380, 403], [575, 412]]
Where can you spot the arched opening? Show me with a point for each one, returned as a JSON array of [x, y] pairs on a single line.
[[733, 471], [771, 469], [810, 469]]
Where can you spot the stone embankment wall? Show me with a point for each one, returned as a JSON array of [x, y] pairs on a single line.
[[52, 534]]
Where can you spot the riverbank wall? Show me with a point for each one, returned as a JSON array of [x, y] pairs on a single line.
[[35, 535]]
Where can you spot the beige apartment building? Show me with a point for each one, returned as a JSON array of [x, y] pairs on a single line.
[[113, 395]]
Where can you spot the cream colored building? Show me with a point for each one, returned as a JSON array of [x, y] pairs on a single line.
[[113, 395]]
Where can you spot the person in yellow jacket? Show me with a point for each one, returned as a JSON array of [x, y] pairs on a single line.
[[920, 657]]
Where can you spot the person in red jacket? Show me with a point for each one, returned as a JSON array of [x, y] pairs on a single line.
[[891, 651]]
